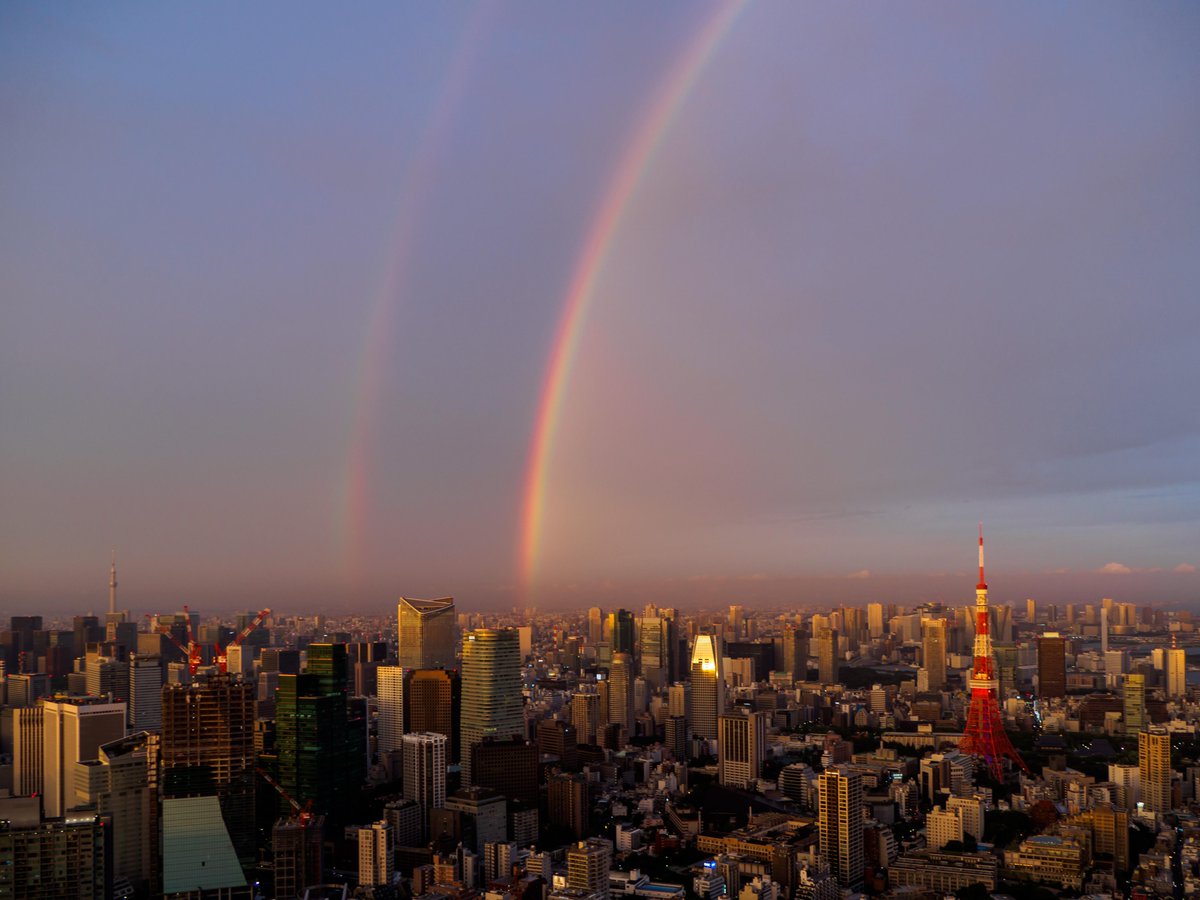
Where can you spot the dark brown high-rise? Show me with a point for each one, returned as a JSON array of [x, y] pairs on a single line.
[[1052, 665], [432, 703]]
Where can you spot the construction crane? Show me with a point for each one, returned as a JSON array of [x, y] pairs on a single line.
[[192, 649], [222, 652], [303, 813]]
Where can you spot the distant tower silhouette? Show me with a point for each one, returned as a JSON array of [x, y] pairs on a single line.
[[985, 736], [112, 585]]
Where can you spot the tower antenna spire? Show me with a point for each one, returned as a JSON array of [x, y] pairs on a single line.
[[982, 580], [112, 584]]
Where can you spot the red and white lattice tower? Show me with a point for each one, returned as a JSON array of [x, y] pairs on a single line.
[[985, 736]]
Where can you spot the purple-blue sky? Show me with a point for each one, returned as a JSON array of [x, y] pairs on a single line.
[[892, 270]]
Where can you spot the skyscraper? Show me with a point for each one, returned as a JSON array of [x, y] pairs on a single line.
[[492, 700], [433, 702], [425, 772], [875, 619], [934, 652], [425, 633], [1176, 671], [620, 691], [827, 655], [708, 687], [208, 749], [1134, 696], [742, 747], [28, 750], [73, 729], [1052, 665], [795, 653], [145, 693], [567, 802], [320, 736], [841, 824], [1154, 768], [390, 722], [585, 716]]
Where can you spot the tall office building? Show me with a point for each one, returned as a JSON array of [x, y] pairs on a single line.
[[1031, 610], [567, 803], [1154, 768], [707, 701], [795, 653], [425, 772], [1176, 671], [621, 631], [1052, 665], [433, 702], [375, 859], [585, 716], [320, 736], [654, 649], [934, 652], [595, 619], [827, 655], [390, 722], [742, 748], [492, 700], [620, 691], [127, 796], [208, 749], [875, 619], [28, 739], [145, 693], [73, 729], [1134, 697], [588, 866], [425, 633], [841, 824]]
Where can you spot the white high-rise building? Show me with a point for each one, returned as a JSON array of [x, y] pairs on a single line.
[[375, 857], [390, 695], [145, 693], [971, 809], [943, 826], [74, 728], [425, 772]]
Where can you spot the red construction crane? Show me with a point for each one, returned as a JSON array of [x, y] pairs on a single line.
[[222, 652], [192, 649], [304, 814]]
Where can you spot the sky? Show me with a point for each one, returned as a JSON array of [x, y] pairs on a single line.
[[548, 304]]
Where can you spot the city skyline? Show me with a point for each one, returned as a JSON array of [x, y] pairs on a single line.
[[552, 307]]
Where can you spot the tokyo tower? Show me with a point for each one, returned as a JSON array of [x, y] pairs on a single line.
[[985, 736]]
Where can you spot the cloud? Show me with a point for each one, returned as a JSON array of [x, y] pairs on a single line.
[[1185, 569], [861, 573], [1115, 568]]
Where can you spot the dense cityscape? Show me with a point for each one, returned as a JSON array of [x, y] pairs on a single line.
[[448, 755]]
